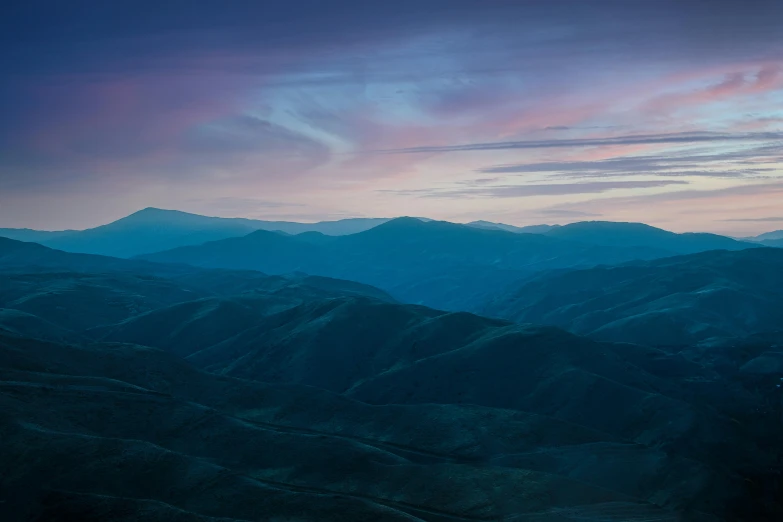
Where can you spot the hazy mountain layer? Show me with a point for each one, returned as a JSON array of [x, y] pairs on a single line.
[[777, 234], [152, 229], [776, 243], [438, 264]]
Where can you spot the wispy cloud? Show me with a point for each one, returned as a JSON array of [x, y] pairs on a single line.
[[756, 220], [640, 139], [565, 213], [521, 191], [749, 162]]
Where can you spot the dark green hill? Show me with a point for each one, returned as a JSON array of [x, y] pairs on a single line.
[[677, 300], [388, 353], [140, 430]]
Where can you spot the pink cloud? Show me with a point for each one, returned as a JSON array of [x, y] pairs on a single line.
[[734, 85]]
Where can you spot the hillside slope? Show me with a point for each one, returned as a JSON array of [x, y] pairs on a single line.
[[677, 300], [110, 428]]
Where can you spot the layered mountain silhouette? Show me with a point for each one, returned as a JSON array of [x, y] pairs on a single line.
[[675, 300], [435, 263], [153, 229], [137, 390]]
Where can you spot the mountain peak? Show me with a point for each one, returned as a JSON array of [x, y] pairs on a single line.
[[610, 225], [404, 222], [157, 213]]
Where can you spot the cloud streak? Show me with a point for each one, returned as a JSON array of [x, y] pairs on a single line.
[[551, 189], [641, 139]]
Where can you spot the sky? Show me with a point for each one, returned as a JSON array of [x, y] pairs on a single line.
[[668, 112]]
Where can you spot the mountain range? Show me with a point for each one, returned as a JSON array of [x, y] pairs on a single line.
[[441, 264], [153, 229], [217, 394], [616, 372]]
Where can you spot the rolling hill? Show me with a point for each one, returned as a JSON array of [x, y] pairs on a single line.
[[55, 294], [113, 429], [678, 300], [472, 417]]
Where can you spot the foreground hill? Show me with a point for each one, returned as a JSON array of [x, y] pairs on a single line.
[[383, 352], [152, 230], [114, 429], [677, 300], [53, 294], [435, 263]]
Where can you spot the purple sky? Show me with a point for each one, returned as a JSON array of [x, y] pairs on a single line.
[[667, 112]]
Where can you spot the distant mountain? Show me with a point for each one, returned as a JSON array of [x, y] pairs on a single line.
[[609, 233], [436, 263], [34, 236], [777, 234], [29, 257], [776, 243], [152, 229], [532, 229], [676, 300]]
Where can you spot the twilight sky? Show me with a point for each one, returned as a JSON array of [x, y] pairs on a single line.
[[663, 111]]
